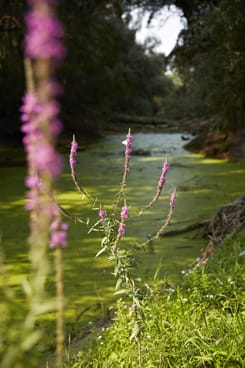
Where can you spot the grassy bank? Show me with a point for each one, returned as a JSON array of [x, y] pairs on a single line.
[[198, 323]]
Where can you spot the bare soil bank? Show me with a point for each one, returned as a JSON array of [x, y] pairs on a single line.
[[230, 145]]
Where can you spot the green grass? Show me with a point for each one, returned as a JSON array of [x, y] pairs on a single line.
[[199, 323]]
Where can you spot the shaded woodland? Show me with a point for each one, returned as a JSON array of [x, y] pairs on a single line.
[[107, 73]]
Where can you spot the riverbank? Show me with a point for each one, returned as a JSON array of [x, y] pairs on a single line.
[[217, 144], [208, 138], [197, 323]]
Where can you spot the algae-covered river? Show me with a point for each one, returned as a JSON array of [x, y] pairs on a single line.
[[201, 184]]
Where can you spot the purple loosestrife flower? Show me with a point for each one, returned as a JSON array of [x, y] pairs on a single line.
[[47, 160], [162, 178], [122, 227], [124, 213], [121, 230], [172, 201], [73, 153], [43, 39], [73, 162], [102, 215], [41, 125], [43, 51], [33, 181], [59, 232], [129, 142], [161, 182]]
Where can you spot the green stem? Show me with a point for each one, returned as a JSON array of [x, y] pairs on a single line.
[[60, 307]]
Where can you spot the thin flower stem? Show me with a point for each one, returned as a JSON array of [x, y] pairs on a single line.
[[60, 307], [118, 238], [170, 214], [73, 153], [139, 351], [127, 157], [128, 142], [155, 198], [70, 216], [166, 223], [161, 182], [29, 75], [79, 187], [125, 174]]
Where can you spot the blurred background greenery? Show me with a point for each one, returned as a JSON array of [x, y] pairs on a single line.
[[107, 72]]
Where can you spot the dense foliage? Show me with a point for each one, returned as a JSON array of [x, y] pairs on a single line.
[[210, 59], [12, 82], [107, 73]]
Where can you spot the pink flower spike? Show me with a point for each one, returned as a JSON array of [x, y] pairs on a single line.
[[165, 168], [43, 39], [172, 199], [33, 181], [73, 153], [124, 213], [161, 181], [58, 238], [58, 231], [121, 230], [64, 226], [129, 143], [101, 214]]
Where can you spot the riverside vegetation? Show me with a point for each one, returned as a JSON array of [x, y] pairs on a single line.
[[150, 326], [197, 323]]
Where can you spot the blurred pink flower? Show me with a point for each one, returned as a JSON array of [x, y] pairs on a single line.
[[39, 115], [44, 34]]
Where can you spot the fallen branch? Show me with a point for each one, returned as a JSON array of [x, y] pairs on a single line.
[[186, 229], [227, 220]]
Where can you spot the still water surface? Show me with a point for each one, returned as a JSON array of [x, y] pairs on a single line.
[[202, 185]]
